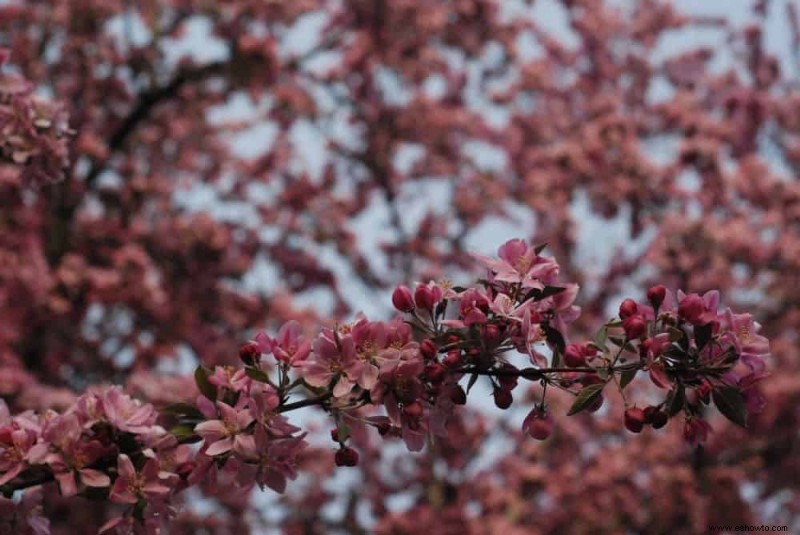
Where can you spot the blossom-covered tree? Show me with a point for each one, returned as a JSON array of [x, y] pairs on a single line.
[[181, 178]]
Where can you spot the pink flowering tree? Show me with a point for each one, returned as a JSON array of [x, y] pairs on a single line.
[[178, 180]]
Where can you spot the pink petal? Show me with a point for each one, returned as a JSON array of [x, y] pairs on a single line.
[[94, 478]]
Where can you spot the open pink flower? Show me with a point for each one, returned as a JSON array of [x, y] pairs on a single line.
[[19, 448], [290, 345], [70, 463], [270, 462], [132, 485], [519, 264], [222, 435], [231, 378], [331, 361], [128, 414], [370, 341], [743, 333]]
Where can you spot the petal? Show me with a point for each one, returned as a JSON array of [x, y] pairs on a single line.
[[219, 447], [66, 483], [94, 478], [125, 467]]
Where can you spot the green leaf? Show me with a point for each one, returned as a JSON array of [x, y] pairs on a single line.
[[201, 375], [343, 431], [548, 291], [257, 375], [617, 341], [626, 377], [585, 398], [472, 380], [677, 399], [601, 337], [702, 335], [182, 430], [731, 404]]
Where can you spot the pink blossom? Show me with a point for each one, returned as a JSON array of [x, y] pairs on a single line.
[[229, 377], [74, 455], [132, 485], [223, 434], [19, 448], [329, 362], [290, 345], [128, 414], [270, 462], [743, 333]]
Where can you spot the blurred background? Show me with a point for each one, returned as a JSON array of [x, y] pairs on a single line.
[[237, 164]]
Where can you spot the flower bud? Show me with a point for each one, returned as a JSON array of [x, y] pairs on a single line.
[[634, 327], [453, 358], [628, 308], [573, 356], [503, 398], [435, 373], [493, 335], [634, 420], [428, 349], [402, 299], [655, 417], [346, 457], [656, 295], [426, 296], [413, 409], [538, 424], [692, 308], [335, 434], [249, 353]]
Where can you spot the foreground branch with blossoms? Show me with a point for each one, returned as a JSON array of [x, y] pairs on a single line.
[[403, 378]]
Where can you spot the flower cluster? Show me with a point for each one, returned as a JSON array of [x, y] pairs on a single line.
[[34, 130], [403, 378]]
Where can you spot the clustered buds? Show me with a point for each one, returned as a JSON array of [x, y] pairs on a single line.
[[412, 371]]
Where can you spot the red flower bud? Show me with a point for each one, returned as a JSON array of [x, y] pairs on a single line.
[[503, 398], [402, 299], [656, 295], [634, 327], [628, 308], [426, 296], [335, 434], [634, 420], [453, 358], [573, 356], [346, 457], [435, 373], [493, 335], [692, 308], [655, 417], [249, 353], [428, 349], [413, 409], [539, 423]]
